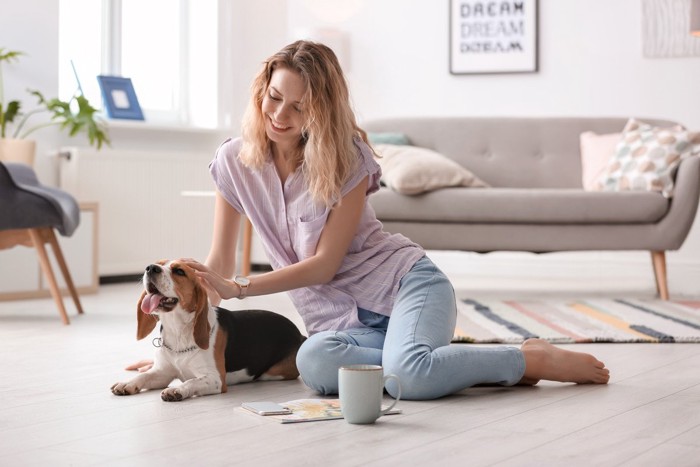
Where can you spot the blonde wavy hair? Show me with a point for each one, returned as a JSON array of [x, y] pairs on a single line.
[[327, 154]]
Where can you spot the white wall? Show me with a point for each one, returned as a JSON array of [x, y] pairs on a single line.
[[257, 30], [31, 26], [590, 64], [590, 57]]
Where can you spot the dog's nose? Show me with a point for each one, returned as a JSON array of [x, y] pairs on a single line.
[[153, 269]]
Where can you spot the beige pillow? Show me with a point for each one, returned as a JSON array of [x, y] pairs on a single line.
[[596, 152], [411, 170], [647, 157]]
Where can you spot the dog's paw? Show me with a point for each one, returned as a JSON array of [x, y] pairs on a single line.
[[171, 395], [125, 389]]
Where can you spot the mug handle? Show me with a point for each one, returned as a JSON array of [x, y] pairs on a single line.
[[398, 396]]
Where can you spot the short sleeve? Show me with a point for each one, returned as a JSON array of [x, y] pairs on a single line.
[[225, 169], [367, 166]]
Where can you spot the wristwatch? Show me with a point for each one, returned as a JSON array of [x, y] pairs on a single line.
[[243, 283]]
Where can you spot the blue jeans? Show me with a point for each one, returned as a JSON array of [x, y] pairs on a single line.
[[413, 344]]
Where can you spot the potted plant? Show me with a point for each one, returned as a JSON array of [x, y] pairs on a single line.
[[75, 115]]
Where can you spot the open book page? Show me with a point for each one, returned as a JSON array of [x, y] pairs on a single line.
[[312, 410]]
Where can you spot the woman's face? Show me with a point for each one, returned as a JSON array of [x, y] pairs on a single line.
[[281, 107]]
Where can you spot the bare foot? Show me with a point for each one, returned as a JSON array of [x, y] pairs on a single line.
[[527, 381], [545, 361], [140, 366]]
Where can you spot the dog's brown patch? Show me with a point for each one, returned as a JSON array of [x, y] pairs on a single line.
[[193, 298], [286, 368], [220, 356]]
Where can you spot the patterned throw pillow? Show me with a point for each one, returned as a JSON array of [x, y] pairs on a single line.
[[646, 158]]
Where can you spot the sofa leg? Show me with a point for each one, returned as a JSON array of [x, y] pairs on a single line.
[[658, 259]]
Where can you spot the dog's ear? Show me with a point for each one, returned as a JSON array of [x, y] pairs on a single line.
[[144, 323], [201, 317]]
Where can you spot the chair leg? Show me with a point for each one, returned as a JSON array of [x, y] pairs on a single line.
[[658, 259], [58, 254], [38, 241]]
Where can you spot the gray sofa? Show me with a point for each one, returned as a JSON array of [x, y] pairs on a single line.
[[536, 202]]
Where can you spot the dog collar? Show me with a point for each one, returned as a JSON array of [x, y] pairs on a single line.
[[158, 342]]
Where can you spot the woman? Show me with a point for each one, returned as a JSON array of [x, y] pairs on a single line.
[[302, 172]]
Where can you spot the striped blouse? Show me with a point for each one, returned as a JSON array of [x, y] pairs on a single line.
[[289, 224]]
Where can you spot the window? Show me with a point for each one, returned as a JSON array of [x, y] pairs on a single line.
[[167, 47]]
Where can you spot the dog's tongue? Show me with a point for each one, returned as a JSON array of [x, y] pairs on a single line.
[[150, 302]]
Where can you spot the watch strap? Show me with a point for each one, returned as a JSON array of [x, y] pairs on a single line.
[[242, 283]]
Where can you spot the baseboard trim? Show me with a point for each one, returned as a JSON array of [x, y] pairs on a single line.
[[120, 279], [621, 269], [606, 269]]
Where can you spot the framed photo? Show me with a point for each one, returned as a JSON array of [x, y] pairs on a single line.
[[493, 37], [120, 98]]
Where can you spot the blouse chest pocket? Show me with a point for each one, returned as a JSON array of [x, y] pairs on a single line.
[[307, 234]]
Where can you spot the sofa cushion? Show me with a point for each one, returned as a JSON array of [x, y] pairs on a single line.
[[521, 206], [388, 137], [596, 152], [646, 158], [411, 170]]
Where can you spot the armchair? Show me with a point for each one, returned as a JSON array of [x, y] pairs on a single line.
[[29, 213]]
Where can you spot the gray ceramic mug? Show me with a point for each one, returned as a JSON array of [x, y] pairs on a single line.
[[361, 388]]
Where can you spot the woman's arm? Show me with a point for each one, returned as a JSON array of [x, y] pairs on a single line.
[[338, 232], [224, 243]]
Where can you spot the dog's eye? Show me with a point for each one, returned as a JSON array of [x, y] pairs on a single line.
[[179, 272]]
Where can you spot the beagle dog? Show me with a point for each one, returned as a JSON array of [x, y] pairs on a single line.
[[206, 347]]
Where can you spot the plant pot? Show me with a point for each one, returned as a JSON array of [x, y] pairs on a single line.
[[17, 150]]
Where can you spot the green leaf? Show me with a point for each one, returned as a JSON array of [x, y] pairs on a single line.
[[10, 55], [73, 116], [12, 110]]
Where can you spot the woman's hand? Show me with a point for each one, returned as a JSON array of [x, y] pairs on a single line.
[[215, 284]]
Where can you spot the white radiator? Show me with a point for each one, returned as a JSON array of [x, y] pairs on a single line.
[[144, 215]]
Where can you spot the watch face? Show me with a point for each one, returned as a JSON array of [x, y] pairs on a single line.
[[243, 281]]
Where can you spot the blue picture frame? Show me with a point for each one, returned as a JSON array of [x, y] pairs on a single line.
[[119, 98]]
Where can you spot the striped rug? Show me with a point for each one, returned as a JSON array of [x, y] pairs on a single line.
[[571, 321]]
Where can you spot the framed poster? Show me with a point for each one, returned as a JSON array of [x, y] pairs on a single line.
[[493, 37], [120, 98]]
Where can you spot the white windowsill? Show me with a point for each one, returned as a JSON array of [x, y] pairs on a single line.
[[151, 126]]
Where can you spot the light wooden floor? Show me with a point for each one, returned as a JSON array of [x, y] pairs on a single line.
[[56, 407]]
